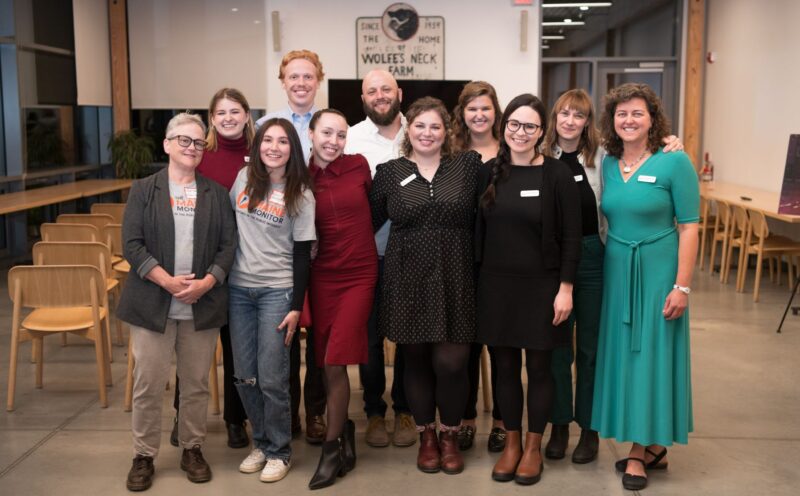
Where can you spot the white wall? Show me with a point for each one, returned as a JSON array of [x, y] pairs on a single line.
[[92, 52], [482, 40], [751, 96]]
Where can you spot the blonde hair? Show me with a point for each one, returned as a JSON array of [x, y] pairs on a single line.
[[184, 118], [301, 54]]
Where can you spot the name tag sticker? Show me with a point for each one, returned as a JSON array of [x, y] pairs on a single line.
[[191, 193], [528, 193], [276, 197], [408, 179], [647, 179], [579, 178]]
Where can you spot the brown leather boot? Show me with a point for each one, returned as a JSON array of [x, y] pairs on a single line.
[[452, 461], [530, 467], [429, 459], [506, 467]]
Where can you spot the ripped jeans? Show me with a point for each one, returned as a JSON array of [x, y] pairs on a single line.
[[261, 363]]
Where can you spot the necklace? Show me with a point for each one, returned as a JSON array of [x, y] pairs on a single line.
[[627, 167]]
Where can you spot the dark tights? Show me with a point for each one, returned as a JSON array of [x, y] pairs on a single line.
[[337, 385], [436, 376], [541, 388]]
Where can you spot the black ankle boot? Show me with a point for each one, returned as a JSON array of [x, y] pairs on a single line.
[[349, 445], [331, 465]]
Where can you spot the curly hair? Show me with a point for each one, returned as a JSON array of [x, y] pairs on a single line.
[[298, 179], [419, 107], [580, 101], [501, 165], [460, 131], [233, 95], [624, 93]]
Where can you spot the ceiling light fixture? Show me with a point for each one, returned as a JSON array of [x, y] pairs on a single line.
[[580, 5], [563, 23], [553, 37]]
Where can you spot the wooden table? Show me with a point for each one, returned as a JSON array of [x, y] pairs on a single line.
[[18, 202], [761, 200], [50, 195]]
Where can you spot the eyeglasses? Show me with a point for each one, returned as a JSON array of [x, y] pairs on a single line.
[[185, 141], [528, 127]]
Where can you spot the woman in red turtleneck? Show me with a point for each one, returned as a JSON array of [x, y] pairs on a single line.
[[230, 134]]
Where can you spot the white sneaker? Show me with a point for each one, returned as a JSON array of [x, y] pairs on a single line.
[[275, 470], [254, 462]]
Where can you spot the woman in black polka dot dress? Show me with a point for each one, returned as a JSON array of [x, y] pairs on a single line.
[[428, 298]]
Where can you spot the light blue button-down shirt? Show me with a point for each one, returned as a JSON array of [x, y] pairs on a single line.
[[300, 122]]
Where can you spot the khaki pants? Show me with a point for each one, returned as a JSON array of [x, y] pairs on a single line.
[[153, 354]]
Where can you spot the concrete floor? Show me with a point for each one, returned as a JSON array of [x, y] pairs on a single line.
[[746, 402]]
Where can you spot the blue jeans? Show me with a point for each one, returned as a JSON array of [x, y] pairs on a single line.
[[261, 363]]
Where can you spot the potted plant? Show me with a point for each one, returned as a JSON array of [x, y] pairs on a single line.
[[131, 153]]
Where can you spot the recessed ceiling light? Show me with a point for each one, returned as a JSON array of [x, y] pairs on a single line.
[[234, 9], [568, 20], [584, 7]]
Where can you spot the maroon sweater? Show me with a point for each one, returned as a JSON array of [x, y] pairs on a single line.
[[223, 164]]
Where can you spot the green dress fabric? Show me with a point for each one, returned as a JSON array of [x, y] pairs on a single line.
[[642, 387]]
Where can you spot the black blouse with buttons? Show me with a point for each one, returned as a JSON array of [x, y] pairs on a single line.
[[428, 290], [588, 198]]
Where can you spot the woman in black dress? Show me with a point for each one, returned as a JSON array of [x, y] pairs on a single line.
[[528, 242], [427, 301]]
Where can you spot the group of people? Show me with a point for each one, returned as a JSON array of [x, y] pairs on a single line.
[[513, 228]]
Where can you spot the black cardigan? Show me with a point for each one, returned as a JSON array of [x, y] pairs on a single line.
[[148, 238], [561, 217]]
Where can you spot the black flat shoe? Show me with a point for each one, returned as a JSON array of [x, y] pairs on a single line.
[[655, 463], [634, 482], [557, 445], [237, 436], [466, 436], [586, 450], [497, 440]]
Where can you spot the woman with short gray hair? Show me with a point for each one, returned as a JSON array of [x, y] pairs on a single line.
[[179, 236]]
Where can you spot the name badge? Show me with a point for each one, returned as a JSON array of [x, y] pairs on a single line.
[[276, 197], [647, 179], [191, 193], [408, 179], [579, 178], [528, 193]]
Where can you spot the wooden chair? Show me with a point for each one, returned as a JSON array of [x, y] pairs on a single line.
[[97, 220], [737, 237], [64, 299], [707, 225], [112, 236], [115, 210], [95, 254], [761, 244], [720, 235], [213, 380], [69, 232]]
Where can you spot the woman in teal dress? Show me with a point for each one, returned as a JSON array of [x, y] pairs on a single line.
[[651, 199]]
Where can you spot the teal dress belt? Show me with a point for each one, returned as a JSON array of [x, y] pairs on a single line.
[[632, 299]]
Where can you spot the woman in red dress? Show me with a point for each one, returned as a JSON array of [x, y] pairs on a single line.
[[343, 278]]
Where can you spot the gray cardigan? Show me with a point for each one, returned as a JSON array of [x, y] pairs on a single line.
[[148, 238]]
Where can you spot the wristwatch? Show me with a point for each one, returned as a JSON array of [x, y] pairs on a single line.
[[682, 289]]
